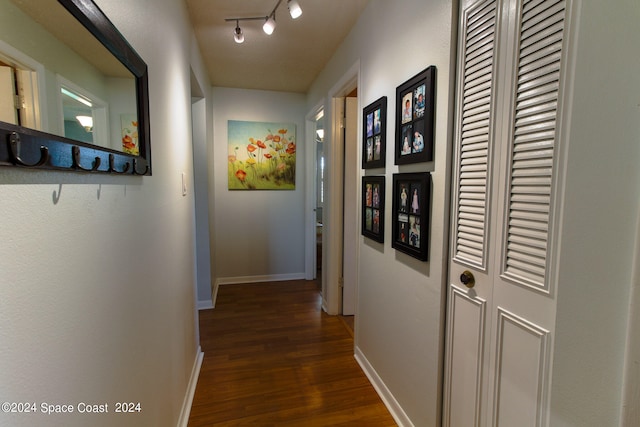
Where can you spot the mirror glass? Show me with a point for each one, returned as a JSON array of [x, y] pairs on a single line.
[[56, 77]]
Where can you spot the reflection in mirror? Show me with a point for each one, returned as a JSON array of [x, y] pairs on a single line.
[[50, 36], [57, 77]]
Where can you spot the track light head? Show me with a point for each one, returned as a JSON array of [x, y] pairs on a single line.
[[294, 9], [270, 24], [238, 36]]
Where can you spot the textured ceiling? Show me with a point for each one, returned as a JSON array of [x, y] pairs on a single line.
[[288, 60]]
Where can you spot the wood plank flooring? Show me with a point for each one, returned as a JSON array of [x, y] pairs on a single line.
[[272, 357]]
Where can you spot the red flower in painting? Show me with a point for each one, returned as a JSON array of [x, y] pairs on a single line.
[[268, 156], [251, 148], [276, 138], [241, 175], [291, 148], [128, 142], [261, 144]]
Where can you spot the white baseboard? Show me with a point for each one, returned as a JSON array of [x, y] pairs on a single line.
[[257, 279], [205, 305], [389, 401], [191, 390]]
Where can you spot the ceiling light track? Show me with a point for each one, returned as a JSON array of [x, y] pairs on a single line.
[[269, 20]]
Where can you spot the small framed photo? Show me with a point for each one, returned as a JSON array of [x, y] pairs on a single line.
[[414, 118], [411, 208], [374, 144], [373, 207]]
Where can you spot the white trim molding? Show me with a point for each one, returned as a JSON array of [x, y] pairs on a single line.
[[191, 390], [389, 401], [205, 304]]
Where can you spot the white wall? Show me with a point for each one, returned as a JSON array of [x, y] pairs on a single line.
[[600, 218], [97, 278], [258, 235], [399, 317]]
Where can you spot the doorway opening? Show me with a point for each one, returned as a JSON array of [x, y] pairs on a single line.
[[334, 267], [21, 89]]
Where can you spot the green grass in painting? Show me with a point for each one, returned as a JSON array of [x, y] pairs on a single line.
[[272, 174]]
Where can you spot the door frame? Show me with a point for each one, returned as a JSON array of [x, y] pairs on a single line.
[[332, 237], [310, 260], [350, 213]]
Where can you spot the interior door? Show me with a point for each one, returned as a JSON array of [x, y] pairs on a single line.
[[501, 310]]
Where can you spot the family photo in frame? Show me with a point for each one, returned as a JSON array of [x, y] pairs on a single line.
[[374, 144], [411, 207], [373, 207], [414, 118]]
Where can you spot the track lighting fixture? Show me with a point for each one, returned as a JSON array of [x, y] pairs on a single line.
[[269, 21]]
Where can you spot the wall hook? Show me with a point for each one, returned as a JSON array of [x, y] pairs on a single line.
[[135, 168], [112, 168], [75, 150], [14, 149]]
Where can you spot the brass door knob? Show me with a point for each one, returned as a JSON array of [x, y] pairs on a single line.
[[467, 279]]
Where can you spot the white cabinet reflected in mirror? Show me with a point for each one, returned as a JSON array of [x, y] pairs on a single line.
[[58, 78]]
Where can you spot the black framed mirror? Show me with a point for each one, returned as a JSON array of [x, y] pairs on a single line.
[[70, 101]]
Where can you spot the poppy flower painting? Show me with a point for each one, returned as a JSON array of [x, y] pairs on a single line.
[[129, 124], [262, 156]]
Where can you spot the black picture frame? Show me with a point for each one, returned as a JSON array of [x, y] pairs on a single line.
[[415, 110], [374, 134], [411, 211], [373, 207]]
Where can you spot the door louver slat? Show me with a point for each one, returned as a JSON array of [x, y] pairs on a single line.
[[533, 144]]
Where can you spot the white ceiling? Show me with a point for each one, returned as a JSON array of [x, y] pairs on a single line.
[[288, 60]]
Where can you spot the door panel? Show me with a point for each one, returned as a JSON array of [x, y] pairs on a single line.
[[466, 367], [474, 118], [532, 139], [520, 371], [465, 349]]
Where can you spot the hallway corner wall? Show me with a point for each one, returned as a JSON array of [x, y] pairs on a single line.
[[258, 234]]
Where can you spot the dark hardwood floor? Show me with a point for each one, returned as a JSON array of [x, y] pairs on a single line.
[[272, 357]]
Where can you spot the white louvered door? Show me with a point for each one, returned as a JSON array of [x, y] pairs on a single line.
[[500, 331]]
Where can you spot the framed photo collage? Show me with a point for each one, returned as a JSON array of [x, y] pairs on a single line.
[[414, 134]]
